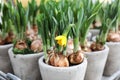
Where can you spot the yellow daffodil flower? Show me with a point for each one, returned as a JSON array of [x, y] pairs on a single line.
[[25, 2], [57, 0], [61, 40]]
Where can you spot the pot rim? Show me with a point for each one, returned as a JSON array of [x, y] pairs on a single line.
[[23, 55], [40, 62], [6, 45], [97, 52]]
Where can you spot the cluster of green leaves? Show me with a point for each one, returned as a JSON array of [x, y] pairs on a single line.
[[33, 10], [56, 16], [90, 11], [6, 15], [24, 18], [109, 15], [76, 17], [20, 19], [53, 21]]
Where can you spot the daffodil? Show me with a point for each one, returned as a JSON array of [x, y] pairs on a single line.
[[106, 1], [61, 40], [57, 0], [25, 2]]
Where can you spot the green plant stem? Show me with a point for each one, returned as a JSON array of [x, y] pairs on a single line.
[[76, 44], [117, 26], [83, 38], [68, 28], [45, 52]]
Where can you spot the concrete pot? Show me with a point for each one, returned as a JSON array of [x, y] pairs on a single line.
[[89, 36], [76, 72], [5, 64], [94, 32], [96, 64], [113, 61], [115, 76], [25, 66]]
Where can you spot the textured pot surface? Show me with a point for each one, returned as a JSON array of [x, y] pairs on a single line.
[[25, 66], [113, 61], [76, 72], [5, 64], [94, 32], [89, 36], [96, 64]]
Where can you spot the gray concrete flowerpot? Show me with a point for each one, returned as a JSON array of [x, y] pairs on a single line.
[[25, 66], [113, 61], [5, 64], [94, 32], [76, 72], [96, 64], [89, 36], [115, 76]]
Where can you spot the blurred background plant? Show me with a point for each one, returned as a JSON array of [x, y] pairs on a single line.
[[90, 11], [27, 40], [6, 23], [109, 15]]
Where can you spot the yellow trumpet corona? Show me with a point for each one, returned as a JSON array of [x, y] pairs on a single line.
[[61, 40]]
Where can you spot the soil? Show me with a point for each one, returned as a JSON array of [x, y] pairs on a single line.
[[8, 40]]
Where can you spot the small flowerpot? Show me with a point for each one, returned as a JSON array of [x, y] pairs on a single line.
[[5, 64], [113, 61], [96, 64], [94, 32], [76, 72], [25, 66]]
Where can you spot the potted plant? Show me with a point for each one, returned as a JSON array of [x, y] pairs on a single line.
[[6, 35], [55, 60], [113, 39], [97, 57], [27, 47]]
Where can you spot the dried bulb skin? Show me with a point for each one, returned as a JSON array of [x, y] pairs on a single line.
[[70, 46], [2, 42], [76, 58], [58, 60], [114, 37], [35, 28], [36, 45], [21, 45], [32, 33], [9, 38], [96, 46], [86, 47]]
